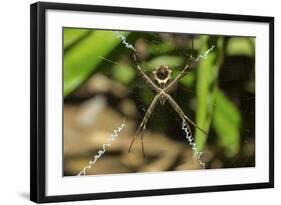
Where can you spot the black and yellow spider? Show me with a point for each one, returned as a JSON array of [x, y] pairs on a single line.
[[162, 75]]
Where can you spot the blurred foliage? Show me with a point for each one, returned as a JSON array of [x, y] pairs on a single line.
[[241, 46], [226, 122], [171, 61], [123, 73], [161, 48], [215, 112], [71, 36], [206, 84], [85, 56]]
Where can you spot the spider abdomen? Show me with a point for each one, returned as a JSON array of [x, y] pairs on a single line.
[[162, 74]]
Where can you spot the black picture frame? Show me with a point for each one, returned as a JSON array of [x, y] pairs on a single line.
[[38, 100]]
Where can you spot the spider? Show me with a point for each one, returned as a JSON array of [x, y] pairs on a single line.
[[162, 75]]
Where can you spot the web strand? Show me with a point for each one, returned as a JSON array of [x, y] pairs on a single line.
[[113, 137], [190, 139]]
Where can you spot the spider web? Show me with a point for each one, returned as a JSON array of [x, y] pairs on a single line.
[[164, 119], [185, 126], [242, 99]]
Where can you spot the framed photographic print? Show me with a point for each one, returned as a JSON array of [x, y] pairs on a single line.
[[129, 102]]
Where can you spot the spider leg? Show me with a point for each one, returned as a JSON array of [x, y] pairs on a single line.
[[137, 133], [181, 113], [145, 77], [142, 126], [142, 147], [190, 63]]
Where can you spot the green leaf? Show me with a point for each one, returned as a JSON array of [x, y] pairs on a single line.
[[241, 46], [164, 47], [212, 105], [206, 84], [83, 58], [123, 73], [226, 122], [71, 35], [187, 80], [171, 61]]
